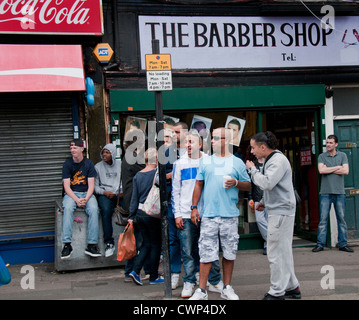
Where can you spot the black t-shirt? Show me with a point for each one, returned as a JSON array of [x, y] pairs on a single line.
[[79, 181]]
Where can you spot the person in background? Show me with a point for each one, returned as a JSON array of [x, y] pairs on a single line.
[[132, 162], [78, 174], [5, 276], [173, 153], [183, 182], [219, 178], [149, 227], [107, 189], [333, 166], [254, 197], [275, 180]]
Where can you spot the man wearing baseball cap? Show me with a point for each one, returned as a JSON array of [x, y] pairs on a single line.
[[78, 174]]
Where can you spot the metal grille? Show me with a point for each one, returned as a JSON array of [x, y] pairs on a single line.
[[35, 130]]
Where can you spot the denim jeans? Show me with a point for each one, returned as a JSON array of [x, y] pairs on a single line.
[[130, 263], [150, 229], [174, 243], [188, 237], [107, 206], [91, 209], [326, 201]]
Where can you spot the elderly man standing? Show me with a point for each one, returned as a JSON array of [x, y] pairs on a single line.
[[278, 197], [219, 178]]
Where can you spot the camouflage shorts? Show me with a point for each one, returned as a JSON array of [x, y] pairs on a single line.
[[227, 229]]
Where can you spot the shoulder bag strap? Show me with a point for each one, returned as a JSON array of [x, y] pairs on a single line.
[[270, 156]]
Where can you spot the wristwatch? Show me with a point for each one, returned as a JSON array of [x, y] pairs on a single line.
[[193, 207]]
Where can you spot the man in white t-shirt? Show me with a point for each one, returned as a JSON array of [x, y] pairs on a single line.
[[220, 212]]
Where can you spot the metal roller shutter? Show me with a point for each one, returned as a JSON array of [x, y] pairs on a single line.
[[35, 131]]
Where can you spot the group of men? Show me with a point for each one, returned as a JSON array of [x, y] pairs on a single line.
[[203, 212], [82, 181]]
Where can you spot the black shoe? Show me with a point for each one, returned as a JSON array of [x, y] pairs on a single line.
[[270, 297], [265, 251], [317, 249], [93, 250], [66, 251], [293, 294], [346, 249]]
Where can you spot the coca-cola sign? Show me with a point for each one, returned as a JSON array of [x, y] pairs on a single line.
[[51, 16]]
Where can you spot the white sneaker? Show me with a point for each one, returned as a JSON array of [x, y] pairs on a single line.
[[187, 290], [174, 280], [199, 295], [109, 250], [228, 293], [216, 288]]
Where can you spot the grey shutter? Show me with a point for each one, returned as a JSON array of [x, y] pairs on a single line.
[[35, 131]]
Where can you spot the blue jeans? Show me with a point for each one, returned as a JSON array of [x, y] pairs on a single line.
[[107, 206], [326, 201], [130, 263], [188, 237], [91, 209], [150, 251], [174, 243]]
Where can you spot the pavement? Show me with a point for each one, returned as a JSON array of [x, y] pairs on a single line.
[[327, 275]]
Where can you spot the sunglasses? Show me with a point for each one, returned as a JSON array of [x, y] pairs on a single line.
[[216, 138]]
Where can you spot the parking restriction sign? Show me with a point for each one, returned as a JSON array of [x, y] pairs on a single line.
[[158, 72]]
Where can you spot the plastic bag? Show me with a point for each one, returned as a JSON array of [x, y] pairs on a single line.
[[5, 276], [126, 244]]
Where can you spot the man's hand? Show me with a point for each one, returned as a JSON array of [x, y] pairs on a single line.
[[179, 223], [109, 194], [249, 164], [195, 216]]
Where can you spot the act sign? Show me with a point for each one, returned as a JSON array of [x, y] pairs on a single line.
[[158, 72]]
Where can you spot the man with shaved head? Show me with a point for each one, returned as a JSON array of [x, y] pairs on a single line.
[[219, 178]]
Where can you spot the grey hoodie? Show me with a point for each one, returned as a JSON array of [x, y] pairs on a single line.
[[108, 176], [277, 185]]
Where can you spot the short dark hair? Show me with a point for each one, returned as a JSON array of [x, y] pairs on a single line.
[[235, 122], [267, 138], [182, 124], [333, 136]]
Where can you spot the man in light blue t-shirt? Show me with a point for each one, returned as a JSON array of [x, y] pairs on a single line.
[[220, 212]]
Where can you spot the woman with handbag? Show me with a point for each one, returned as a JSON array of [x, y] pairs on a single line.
[[149, 226]]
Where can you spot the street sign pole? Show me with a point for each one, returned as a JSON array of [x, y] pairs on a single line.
[[163, 193]]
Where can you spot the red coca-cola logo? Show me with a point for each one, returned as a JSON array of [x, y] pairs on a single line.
[[51, 16]]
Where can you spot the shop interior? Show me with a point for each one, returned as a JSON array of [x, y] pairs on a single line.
[[297, 135]]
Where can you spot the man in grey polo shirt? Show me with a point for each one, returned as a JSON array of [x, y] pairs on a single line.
[[332, 165]]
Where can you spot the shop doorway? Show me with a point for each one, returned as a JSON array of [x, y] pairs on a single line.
[[348, 136], [298, 138]]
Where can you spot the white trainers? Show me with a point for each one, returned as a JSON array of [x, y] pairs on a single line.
[[216, 288], [187, 290], [199, 295], [228, 293], [174, 280], [109, 250]]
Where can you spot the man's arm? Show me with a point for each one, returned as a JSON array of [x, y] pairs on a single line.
[[195, 199], [69, 191], [323, 169], [91, 187]]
